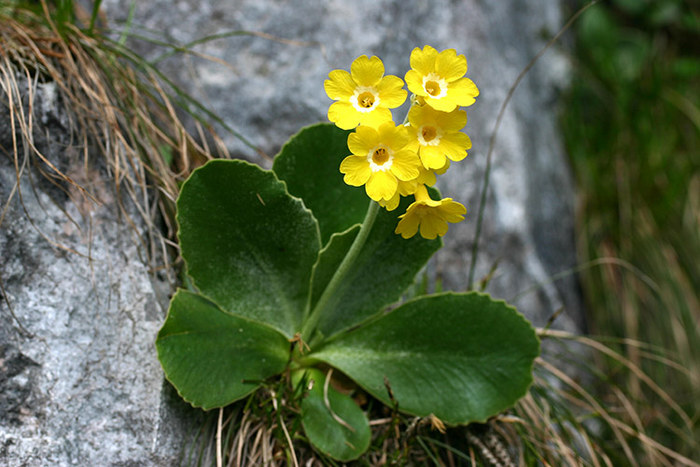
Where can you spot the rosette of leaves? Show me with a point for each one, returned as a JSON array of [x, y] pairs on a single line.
[[261, 247]]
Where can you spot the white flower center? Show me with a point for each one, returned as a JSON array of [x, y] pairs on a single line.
[[429, 135], [380, 158], [365, 99], [435, 86]]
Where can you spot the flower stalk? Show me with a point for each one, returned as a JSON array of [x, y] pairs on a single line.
[[342, 271]]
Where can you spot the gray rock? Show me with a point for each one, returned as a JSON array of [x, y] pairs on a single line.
[[79, 379], [80, 383]]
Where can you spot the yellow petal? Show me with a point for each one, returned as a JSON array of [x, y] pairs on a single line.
[[455, 145], [416, 116], [406, 165], [396, 137], [450, 66], [452, 211], [363, 140], [423, 61], [444, 104], [340, 85], [426, 177], [431, 157], [452, 121], [414, 81], [431, 226], [392, 204], [381, 185], [344, 115], [444, 168], [432, 203], [377, 117], [408, 225], [463, 92], [407, 188], [391, 92], [367, 71], [356, 170], [412, 144]]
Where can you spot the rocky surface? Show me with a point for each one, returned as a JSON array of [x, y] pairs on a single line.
[[79, 381]]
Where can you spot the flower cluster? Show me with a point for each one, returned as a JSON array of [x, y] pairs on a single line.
[[401, 160]]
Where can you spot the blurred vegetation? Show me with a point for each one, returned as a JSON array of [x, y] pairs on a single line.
[[632, 126]]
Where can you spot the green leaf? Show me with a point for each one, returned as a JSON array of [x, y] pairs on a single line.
[[461, 357], [333, 422], [385, 268], [248, 245], [212, 357], [310, 165]]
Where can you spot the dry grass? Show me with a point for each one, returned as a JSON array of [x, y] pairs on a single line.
[[588, 419], [120, 116]]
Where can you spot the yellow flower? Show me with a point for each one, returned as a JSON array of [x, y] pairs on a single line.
[[406, 188], [364, 95], [436, 135], [379, 160], [431, 216], [438, 78], [391, 204]]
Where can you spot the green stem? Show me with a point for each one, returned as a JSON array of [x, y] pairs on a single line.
[[341, 272]]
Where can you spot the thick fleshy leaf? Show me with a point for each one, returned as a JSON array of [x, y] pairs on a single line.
[[385, 268], [248, 245], [460, 357], [212, 357], [309, 164], [334, 424]]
